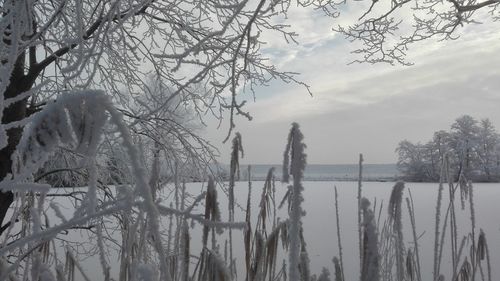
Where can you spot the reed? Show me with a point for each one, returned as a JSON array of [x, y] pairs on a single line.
[[384, 253]]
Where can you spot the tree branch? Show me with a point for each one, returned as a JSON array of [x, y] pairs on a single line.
[[64, 50], [469, 8]]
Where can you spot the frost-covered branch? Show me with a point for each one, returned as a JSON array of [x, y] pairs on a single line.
[[388, 29]]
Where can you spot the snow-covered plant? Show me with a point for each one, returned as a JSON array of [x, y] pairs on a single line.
[[171, 132], [185, 253], [234, 174], [395, 217], [234, 170], [212, 211], [264, 248], [76, 122], [371, 258], [338, 262], [294, 163], [267, 204], [247, 239]]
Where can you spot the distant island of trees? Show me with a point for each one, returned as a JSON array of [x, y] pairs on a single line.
[[472, 148]]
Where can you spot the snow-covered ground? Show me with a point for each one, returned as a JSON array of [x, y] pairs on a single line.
[[319, 222]]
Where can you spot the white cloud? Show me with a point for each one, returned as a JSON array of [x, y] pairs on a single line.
[[339, 87], [370, 108]]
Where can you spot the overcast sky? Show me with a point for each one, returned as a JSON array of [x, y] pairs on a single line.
[[366, 108]]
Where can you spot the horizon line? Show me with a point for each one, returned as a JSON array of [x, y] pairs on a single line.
[[272, 164]]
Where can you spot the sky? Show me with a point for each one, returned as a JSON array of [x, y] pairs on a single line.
[[364, 108]]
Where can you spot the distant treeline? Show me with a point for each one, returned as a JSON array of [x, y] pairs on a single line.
[[472, 148]]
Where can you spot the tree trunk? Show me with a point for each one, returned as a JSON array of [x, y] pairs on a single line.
[[17, 111]]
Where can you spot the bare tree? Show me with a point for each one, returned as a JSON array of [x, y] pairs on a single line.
[[206, 52], [387, 29]]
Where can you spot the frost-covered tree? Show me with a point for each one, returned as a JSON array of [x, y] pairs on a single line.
[[171, 133], [204, 52], [488, 143], [413, 161], [464, 137], [471, 149]]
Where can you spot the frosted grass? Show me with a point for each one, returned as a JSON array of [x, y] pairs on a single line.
[[319, 223]]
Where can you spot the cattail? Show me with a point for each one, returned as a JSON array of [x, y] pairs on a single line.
[[472, 209], [394, 206], [339, 240], [211, 208], [295, 150], [464, 190], [481, 247], [437, 259], [395, 213], [370, 265], [234, 174]]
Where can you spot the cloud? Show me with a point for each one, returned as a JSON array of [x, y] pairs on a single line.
[[337, 86], [370, 108]]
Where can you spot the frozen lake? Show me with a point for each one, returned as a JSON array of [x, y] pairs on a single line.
[[319, 222]]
